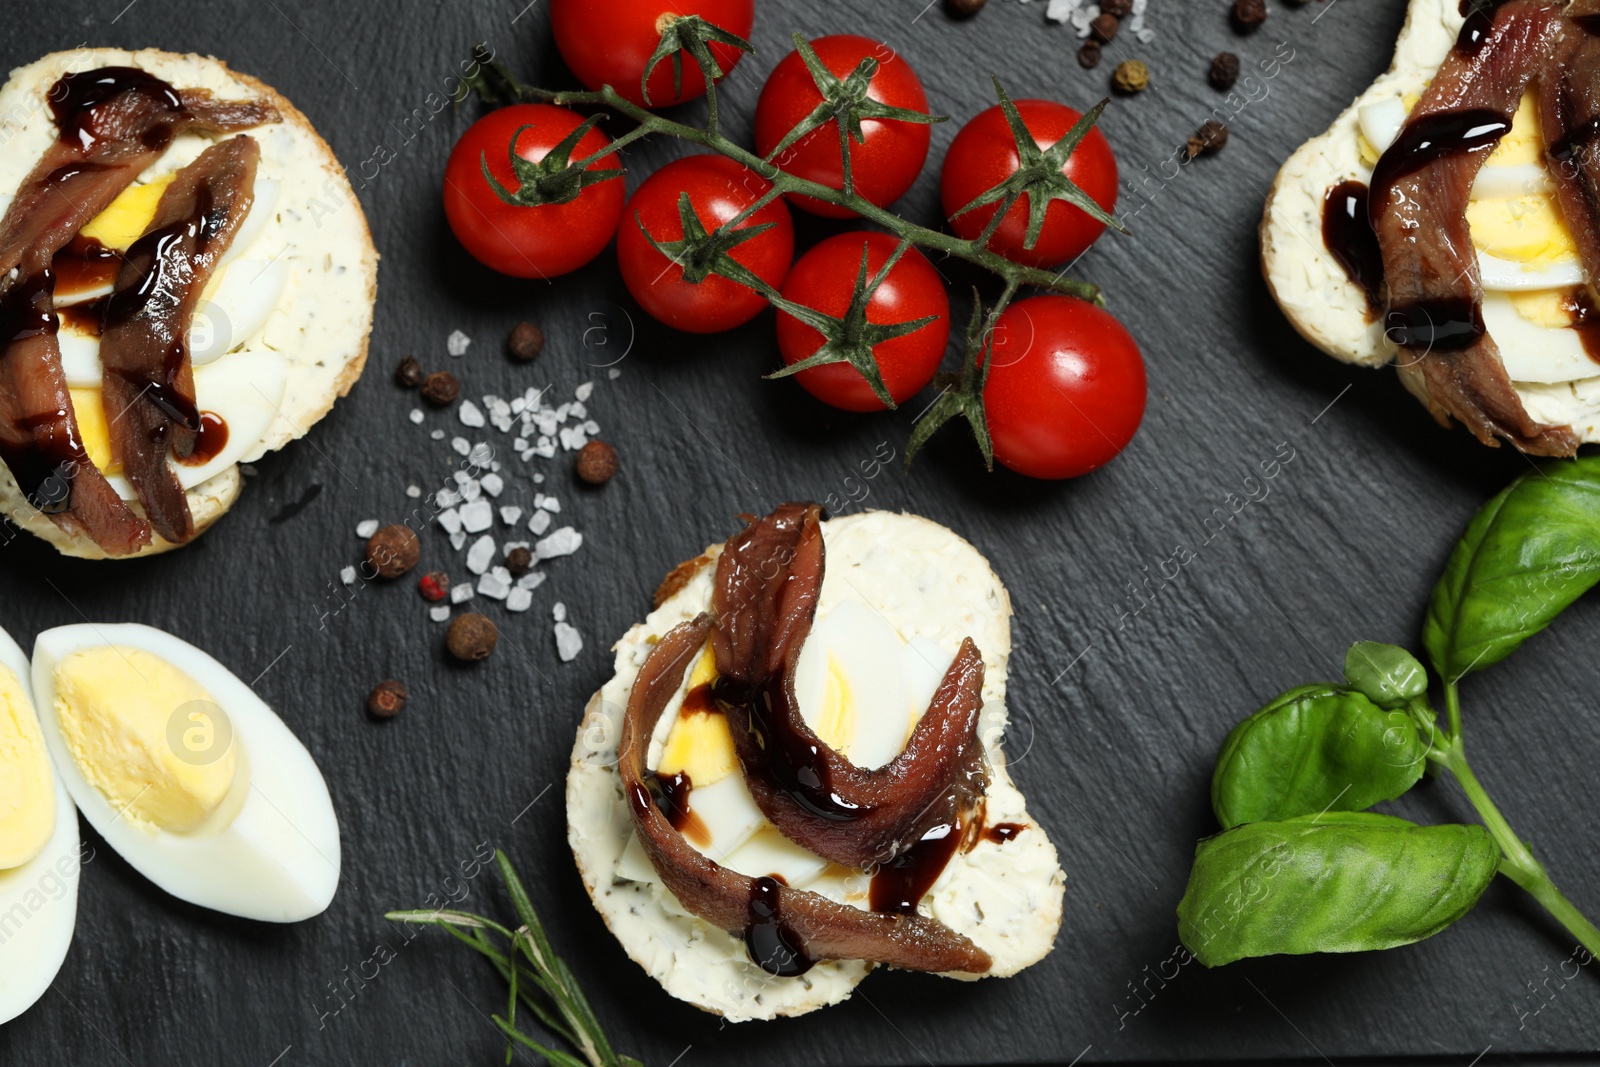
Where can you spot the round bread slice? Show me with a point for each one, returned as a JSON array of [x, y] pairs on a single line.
[[323, 321], [927, 582], [1312, 288]]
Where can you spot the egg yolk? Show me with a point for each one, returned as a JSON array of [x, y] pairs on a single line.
[[146, 735], [27, 789], [90, 410], [699, 744], [127, 217]]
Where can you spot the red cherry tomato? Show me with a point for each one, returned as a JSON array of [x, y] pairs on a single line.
[[984, 154], [824, 279], [608, 42], [527, 242], [882, 167], [1066, 390], [718, 189]]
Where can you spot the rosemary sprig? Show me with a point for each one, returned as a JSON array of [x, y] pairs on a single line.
[[538, 979]]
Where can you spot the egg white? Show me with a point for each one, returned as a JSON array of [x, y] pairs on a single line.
[[32, 950], [1330, 310], [278, 858]]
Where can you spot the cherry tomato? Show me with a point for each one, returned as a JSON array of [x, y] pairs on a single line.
[[824, 279], [609, 42], [883, 166], [1066, 390], [527, 242], [984, 154], [718, 189]]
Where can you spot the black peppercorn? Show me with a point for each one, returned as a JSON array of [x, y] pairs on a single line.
[[409, 373], [1089, 55], [393, 550], [440, 388], [597, 462], [1224, 70], [525, 343], [518, 560], [387, 698], [471, 638], [1104, 27], [1248, 15]]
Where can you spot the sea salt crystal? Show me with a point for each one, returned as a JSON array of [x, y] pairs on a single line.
[[519, 443], [538, 479], [568, 642], [471, 490], [591, 428], [540, 522], [579, 411], [417, 416], [558, 612], [347, 575], [413, 491], [584, 391], [614, 373], [550, 504], [573, 438], [477, 516], [461, 445], [531, 580], [481, 455], [458, 539], [480, 555], [450, 520], [437, 435], [366, 528], [510, 515], [447, 498], [461, 592], [492, 484], [470, 414], [496, 584], [519, 599], [439, 612], [456, 344], [564, 542]]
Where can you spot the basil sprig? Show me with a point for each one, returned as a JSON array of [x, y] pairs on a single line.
[[1301, 866]]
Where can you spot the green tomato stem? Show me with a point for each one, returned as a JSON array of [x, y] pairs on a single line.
[[784, 182], [1517, 860]]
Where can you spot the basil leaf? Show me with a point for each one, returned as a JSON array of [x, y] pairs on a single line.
[[1387, 674], [1315, 749], [1525, 556], [1350, 882]]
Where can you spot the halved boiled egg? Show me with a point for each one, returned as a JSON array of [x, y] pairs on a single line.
[[187, 773], [39, 847]]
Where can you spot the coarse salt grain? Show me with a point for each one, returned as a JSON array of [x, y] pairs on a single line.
[[558, 611], [437, 435], [510, 515], [456, 344], [477, 516], [458, 539], [540, 522], [461, 445], [366, 528], [347, 575], [511, 546], [519, 599], [568, 642], [584, 391], [413, 491], [447, 498], [450, 520], [439, 612], [530, 581], [469, 414], [492, 484], [417, 416], [496, 584], [614, 373], [461, 592], [480, 554]]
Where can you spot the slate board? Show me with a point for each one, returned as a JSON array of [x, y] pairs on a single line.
[[1118, 719]]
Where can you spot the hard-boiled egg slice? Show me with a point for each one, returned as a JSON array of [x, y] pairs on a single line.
[[1508, 276], [39, 894], [1381, 120], [235, 307], [186, 772], [1533, 344]]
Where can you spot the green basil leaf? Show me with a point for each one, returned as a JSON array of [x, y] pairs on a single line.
[[1530, 552], [1315, 749], [1350, 882], [1387, 674]]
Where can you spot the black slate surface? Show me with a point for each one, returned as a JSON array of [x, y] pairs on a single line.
[[1118, 716]]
